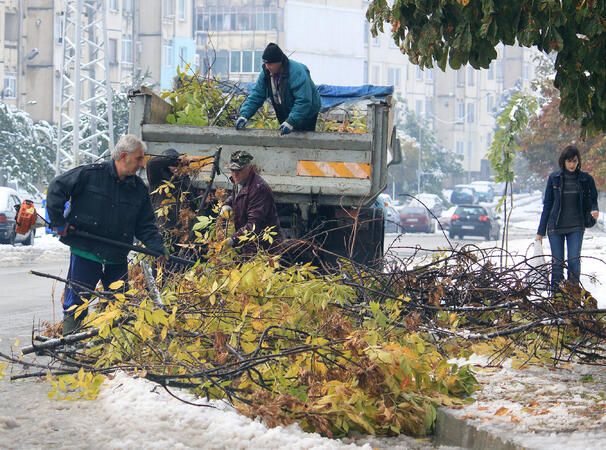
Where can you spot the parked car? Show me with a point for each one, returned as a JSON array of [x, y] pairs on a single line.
[[474, 220], [416, 218], [8, 200], [464, 194], [390, 215], [484, 189], [444, 219], [431, 201]]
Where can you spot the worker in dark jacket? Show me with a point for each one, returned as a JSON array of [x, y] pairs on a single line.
[[108, 200], [252, 205], [292, 92]]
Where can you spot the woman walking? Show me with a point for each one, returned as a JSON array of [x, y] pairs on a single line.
[[570, 204]]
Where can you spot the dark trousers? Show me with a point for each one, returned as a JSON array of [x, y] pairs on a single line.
[[88, 273], [574, 242]]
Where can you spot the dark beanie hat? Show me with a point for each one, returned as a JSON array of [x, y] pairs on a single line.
[[273, 54]]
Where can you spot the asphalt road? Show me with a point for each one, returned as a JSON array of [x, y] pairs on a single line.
[[27, 300]]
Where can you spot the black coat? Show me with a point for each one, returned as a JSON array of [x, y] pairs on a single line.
[[104, 205], [552, 200]]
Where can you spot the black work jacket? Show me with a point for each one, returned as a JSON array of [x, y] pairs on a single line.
[[104, 205], [552, 200]]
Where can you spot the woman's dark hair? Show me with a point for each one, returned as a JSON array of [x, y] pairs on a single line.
[[567, 154]]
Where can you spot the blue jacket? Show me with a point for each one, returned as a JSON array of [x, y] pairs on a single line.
[[552, 205], [104, 205], [300, 98]]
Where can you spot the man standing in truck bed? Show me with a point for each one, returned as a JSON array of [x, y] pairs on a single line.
[[292, 92]]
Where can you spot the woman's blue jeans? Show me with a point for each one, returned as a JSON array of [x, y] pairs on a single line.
[[574, 242]]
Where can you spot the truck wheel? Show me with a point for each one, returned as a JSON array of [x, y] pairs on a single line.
[[12, 237]]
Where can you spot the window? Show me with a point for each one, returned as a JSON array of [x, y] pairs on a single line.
[[127, 6], [10, 85], [59, 29], [489, 103], [461, 77], [490, 74], [258, 61], [182, 56], [169, 8], [375, 41], [488, 139], [11, 27], [167, 50], [113, 5], [429, 76], [112, 51], [460, 149], [460, 111], [470, 76], [375, 74], [181, 9], [234, 64], [221, 64], [366, 33], [365, 74], [499, 70], [243, 21], [419, 74], [393, 76], [418, 108], [470, 112], [127, 50], [247, 61], [428, 107]]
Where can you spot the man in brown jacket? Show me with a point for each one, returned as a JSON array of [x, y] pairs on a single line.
[[252, 204]]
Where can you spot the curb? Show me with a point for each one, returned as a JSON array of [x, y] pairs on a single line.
[[453, 431]]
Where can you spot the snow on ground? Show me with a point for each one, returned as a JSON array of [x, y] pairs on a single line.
[[46, 248], [537, 407]]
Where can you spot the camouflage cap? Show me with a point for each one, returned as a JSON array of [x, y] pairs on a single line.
[[238, 160]]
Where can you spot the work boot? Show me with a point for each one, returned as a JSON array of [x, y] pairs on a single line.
[[70, 324]]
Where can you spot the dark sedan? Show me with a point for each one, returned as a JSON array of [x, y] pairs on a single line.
[[474, 220], [414, 218]]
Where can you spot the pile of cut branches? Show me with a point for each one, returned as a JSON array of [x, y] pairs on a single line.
[[364, 351]]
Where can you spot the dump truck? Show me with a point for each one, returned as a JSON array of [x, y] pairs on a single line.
[[324, 183]]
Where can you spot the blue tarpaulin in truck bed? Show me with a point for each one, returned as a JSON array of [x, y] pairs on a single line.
[[335, 95]]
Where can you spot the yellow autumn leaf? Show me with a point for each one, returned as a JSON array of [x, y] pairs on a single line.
[[116, 284]]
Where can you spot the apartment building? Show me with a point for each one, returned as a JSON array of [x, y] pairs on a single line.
[[325, 35], [147, 35], [27, 55]]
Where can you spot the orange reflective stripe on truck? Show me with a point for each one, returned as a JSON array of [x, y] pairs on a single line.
[[333, 169]]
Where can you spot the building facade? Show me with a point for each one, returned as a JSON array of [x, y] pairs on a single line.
[[153, 36]]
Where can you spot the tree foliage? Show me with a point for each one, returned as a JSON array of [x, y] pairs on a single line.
[[26, 147], [549, 132], [457, 32]]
